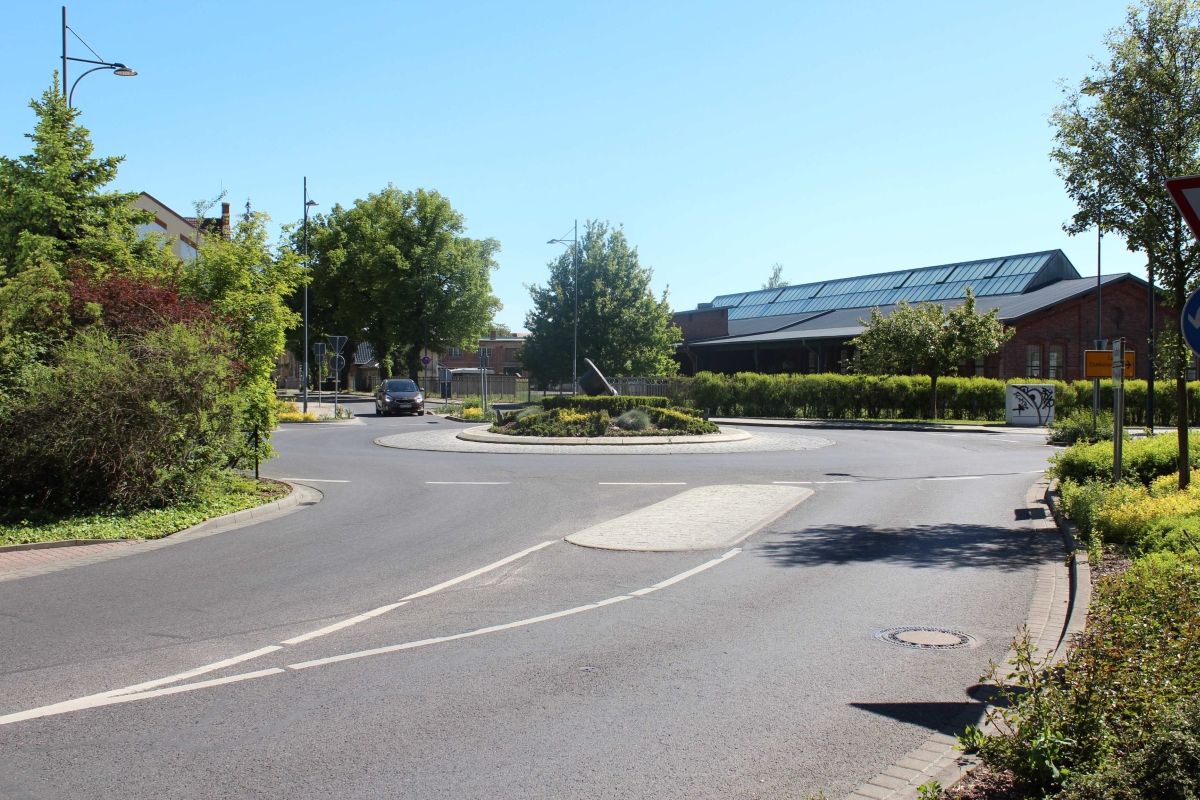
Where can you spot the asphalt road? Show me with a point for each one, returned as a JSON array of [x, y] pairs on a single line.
[[751, 671]]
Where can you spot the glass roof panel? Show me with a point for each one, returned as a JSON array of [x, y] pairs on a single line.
[[802, 292], [728, 300], [925, 277]]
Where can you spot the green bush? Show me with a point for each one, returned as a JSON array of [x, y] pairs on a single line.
[[635, 419], [560, 422], [1142, 460], [135, 422], [835, 396], [613, 405], [677, 421], [1078, 426], [1116, 704]]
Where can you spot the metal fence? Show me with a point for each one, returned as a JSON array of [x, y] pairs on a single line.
[[642, 387]]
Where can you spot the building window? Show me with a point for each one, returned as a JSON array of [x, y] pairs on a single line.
[[1055, 361], [455, 352], [979, 367], [1033, 361]]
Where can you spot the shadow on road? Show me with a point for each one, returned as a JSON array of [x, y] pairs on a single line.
[[918, 546], [946, 718]]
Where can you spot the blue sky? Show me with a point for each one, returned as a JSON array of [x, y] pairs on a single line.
[[834, 138]]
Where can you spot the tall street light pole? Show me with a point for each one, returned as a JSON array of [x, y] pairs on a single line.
[[575, 316], [117, 67], [307, 274]]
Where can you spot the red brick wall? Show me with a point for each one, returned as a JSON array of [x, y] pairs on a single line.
[[702, 323], [505, 353], [1072, 325]]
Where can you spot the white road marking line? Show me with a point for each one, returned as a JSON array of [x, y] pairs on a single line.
[[467, 483], [314, 480], [346, 623], [191, 673], [97, 700], [115, 697], [695, 570], [480, 571], [395, 648], [139, 690], [958, 478], [641, 483]]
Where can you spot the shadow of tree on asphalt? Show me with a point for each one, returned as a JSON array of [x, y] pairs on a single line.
[[946, 718], [968, 546]]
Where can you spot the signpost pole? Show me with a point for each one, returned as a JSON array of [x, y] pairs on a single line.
[[1118, 371]]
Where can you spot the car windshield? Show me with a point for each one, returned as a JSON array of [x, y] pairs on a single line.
[[401, 386]]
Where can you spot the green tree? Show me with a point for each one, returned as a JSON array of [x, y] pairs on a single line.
[[53, 208], [1128, 126], [623, 328], [927, 340], [247, 287], [397, 271]]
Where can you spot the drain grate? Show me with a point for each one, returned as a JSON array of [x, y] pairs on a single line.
[[920, 637]]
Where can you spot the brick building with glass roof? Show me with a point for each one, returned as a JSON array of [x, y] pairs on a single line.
[[807, 328]]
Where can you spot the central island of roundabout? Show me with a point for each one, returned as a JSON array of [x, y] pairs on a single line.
[[443, 436]]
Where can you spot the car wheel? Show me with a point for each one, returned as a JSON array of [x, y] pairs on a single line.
[[421, 413]]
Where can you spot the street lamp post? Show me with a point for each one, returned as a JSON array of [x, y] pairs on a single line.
[[574, 241], [307, 274], [117, 67]]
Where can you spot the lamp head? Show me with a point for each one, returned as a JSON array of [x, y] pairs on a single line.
[[123, 71]]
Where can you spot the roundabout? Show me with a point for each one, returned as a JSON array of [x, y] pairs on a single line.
[[479, 440]]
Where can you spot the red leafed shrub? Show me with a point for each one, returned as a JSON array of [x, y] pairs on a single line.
[[129, 304]]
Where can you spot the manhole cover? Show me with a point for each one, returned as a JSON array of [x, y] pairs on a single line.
[[923, 638]]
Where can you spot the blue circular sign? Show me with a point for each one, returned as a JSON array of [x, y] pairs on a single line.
[[1190, 321]]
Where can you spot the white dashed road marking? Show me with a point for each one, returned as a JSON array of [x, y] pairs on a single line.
[[641, 483], [467, 483]]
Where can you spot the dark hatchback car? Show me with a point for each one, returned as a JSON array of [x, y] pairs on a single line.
[[399, 396]]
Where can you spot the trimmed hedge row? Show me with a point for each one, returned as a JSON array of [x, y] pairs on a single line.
[[836, 396], [615, 406]]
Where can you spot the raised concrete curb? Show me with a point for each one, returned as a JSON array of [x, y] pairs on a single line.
[[703, 518], [1057, 610], [79, 552], [482, 434]]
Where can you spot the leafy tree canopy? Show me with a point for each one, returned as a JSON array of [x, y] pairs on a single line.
[[397, 271], [53, 207], [247, 287], [1127, 127], [623, 328], [925, 339]]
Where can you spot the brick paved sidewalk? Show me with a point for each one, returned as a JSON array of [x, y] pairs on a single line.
[[25, 563]]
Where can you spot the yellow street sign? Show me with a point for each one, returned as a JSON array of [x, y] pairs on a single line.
[[1099, 363]]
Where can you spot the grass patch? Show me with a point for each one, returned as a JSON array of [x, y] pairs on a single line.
[[229, 493]]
